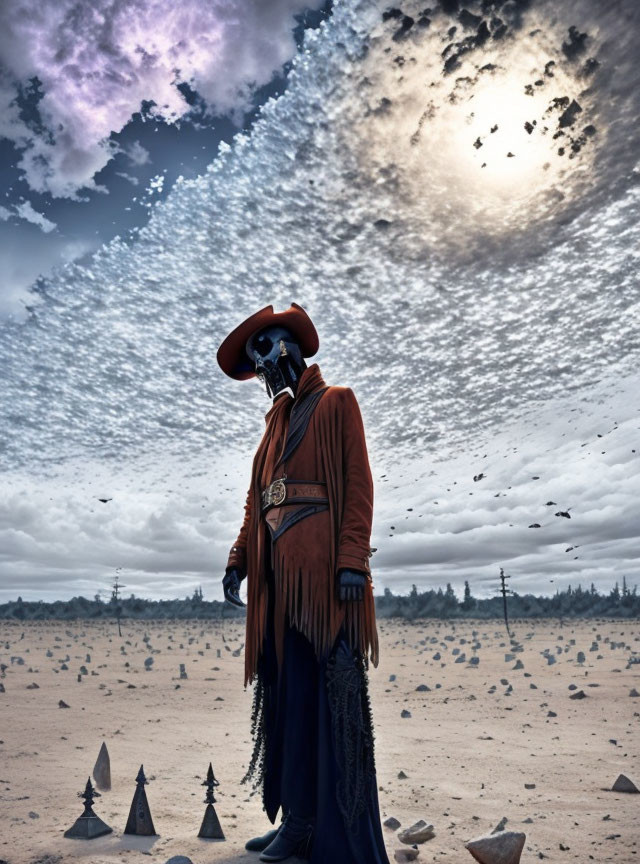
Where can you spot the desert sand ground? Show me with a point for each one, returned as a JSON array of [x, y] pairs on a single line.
[[483, 743]]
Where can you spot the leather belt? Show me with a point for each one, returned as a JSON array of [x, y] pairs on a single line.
[[293, 492]]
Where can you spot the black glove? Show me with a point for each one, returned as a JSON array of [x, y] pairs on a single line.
[[231, 580], [351, 584]]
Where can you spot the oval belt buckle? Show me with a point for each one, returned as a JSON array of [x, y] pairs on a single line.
[[278, 492]]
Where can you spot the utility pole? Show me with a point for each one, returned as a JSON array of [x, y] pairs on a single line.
[[115, 598], [504, 591]]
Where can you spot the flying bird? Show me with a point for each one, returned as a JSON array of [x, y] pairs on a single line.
[[104, 500]]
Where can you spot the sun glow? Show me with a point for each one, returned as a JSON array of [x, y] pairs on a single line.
[[505, 141], [502, 136]]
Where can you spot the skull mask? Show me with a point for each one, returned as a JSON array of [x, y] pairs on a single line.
[[277, 359]]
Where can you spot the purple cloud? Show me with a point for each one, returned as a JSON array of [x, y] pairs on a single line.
[[97, 62]]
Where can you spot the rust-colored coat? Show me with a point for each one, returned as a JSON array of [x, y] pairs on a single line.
[[308, 555]]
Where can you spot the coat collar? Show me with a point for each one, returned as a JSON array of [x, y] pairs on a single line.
[[310, 381]]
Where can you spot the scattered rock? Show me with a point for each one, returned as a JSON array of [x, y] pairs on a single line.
[[420, 832], [406, 854], [392, 823], [102, 769], [502, 848], [623, 784]]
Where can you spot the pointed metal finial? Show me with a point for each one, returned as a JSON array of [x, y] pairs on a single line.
[[88, 825], [210, 828], [210, 782], [140, 821]]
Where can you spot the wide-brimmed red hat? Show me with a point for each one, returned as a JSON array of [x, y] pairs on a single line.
[[232, 356]]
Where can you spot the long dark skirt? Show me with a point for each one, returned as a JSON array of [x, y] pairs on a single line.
[[314, 736]]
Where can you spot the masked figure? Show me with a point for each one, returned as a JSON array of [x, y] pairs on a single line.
[[310, 629]]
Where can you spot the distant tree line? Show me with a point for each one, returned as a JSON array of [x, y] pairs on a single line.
[[620, 602], [124, 607], [570, 603]]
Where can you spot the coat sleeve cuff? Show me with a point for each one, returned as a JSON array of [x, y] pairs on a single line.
[[349, 561], [237, 558]]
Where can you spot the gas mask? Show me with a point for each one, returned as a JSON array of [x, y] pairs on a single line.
[[277, 359]]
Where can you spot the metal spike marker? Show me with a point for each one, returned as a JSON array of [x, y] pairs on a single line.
[[140, 821], [210, 828], [88, 826]]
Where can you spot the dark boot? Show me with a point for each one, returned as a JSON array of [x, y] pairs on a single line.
[[295, 837], [257, 844]]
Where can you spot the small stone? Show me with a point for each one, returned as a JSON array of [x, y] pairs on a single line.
[[580, 694], [63, 704], [623, 784], [634, 693], [406, 854], [102, 769], [179, 859], [502, 848], [392, 823], [405, 713], [419, 832]]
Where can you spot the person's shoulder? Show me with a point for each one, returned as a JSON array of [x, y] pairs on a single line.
[[337, 391], [337, 395]]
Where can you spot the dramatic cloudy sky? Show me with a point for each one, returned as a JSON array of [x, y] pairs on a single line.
[[451, 192]]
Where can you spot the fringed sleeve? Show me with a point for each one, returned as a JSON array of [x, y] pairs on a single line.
[[238, 552], [357, 511], [350, 490]]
